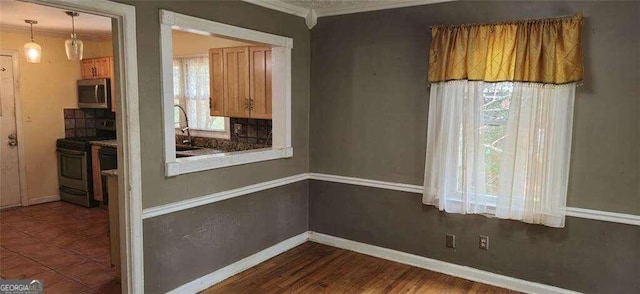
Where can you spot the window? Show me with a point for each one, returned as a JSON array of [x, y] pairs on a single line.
[[187, 89], [495, 112], [500, 118], [191, 92], [500, 149]]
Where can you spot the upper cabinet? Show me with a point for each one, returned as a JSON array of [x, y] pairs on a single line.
[[260, 82], [236, 81], [240, 82], [96, 68], [100, 68], [216, 81]]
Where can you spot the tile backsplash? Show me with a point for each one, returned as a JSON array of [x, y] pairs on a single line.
[[255, 131], [82, 122]]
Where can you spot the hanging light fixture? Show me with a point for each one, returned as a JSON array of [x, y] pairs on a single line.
[[32, 51], [73, 46]]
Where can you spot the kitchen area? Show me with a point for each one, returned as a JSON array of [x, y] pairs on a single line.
[[222, 94], [58, 216]]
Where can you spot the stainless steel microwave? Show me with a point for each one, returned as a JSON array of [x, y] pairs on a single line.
[[94, 93]]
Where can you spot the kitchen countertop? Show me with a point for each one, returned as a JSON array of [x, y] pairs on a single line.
[[106, 143], [200, 151]]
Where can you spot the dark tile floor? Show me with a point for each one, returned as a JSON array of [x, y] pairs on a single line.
[[62, 244]]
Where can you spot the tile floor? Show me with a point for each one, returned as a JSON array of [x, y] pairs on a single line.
[[63, 244]]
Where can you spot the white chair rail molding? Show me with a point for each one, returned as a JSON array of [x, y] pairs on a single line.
[[226, 94]]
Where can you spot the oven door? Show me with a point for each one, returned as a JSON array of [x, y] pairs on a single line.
[[93, 94], [72, 169]]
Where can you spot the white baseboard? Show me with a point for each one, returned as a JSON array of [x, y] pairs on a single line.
[[44, 199], [240, 266], [451, 269]]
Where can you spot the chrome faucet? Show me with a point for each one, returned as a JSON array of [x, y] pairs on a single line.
[[187, 128]]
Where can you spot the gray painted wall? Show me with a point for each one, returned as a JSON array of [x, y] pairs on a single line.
[[369, 105], [586, 255], [186, 245], [156, 188], [369, 99]]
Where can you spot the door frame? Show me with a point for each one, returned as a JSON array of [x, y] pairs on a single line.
[[22, 171], [128, 129]]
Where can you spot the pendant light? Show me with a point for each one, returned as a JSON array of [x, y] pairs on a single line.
[[32, 51], [73, 46]]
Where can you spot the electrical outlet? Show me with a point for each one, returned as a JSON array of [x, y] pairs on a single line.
[[451, 241], [484, 242]]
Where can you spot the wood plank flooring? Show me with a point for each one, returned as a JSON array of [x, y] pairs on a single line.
[[317, 268]]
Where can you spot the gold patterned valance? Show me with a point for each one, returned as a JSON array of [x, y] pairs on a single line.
[[539, 51]]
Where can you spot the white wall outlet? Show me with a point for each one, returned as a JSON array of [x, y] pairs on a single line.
[[484, 242]]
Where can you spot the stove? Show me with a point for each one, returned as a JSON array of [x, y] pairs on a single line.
[[75, 175]]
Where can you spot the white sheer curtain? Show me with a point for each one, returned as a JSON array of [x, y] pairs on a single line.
[[500, 149], [191, 91]]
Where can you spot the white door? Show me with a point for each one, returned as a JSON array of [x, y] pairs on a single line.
[[9, 173]]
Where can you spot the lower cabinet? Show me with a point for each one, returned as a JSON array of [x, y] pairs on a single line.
[[114, 222], [95, 171]]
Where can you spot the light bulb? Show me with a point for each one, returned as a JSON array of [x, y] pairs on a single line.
[[32, 52]]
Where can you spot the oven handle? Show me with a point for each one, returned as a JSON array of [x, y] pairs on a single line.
[[71, 191], [95, 91], [69, 151]]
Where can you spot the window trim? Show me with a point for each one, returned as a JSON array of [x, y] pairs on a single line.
[[281, 87]]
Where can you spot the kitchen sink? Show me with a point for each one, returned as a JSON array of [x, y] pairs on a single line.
[[186, 148]]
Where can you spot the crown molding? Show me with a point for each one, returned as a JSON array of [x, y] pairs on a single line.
[[373, 6], [311, 15], [281, 6], [53, 34]]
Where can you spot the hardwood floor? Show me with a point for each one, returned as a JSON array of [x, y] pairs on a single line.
[[317, 268]]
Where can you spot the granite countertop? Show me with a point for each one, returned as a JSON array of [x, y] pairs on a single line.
[[106, 143], [110, 172], [187, 153]]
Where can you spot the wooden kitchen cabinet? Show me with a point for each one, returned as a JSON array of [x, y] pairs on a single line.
[[260, 82], [96, 68], [216, 82], [114, 222], [236, 81], [240, 82], [95, 172], [86, 69]]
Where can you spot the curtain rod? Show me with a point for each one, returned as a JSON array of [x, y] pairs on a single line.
[[506, 22]]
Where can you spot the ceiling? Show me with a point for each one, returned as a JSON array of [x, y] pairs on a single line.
[[51, 21]]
